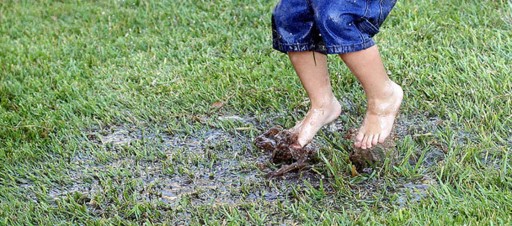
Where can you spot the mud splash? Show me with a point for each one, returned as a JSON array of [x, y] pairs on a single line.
[[363, 159], [279, 142]]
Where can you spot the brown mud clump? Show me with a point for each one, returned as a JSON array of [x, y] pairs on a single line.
[[372, 157], [280, 143]]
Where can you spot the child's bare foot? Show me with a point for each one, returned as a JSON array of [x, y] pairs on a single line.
[[379, 119], [314, 120]]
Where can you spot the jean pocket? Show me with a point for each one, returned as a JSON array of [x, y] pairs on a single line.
[[367, 27]]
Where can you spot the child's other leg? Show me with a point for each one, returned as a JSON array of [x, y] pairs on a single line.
[[384, 96], [324, 108]]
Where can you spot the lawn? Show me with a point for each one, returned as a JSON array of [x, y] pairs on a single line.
[[144, 112]]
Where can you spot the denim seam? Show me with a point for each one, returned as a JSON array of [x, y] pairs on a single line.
[[332, 49], [366, 8], [340, 49], [379, 19], [361, 36]]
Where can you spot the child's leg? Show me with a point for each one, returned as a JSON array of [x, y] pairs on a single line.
[[384, 96], [315, 79]]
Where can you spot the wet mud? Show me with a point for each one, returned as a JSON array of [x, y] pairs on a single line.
[[363, 159], [205, 167], [216, 166], [279, 142], [420, 128]]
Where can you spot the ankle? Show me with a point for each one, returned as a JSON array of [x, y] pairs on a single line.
[[383, 93], [325, 103]]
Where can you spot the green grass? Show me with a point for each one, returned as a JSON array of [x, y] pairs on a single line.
[[72, 73]]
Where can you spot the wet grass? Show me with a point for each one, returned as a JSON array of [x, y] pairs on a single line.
[[133, 112]]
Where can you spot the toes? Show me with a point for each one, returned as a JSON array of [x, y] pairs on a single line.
[[296, 146], [369, 141], [359, 140], [364, 143], [382, 139], [375, 139]]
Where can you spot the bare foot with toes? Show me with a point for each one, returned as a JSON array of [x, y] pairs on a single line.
[[379, 118], [316, 118]]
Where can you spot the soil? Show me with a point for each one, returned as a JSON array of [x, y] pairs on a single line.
[[363, 159], [279, 142], [215, 167]]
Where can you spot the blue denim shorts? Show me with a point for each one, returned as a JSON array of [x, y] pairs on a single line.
[[327, 26]]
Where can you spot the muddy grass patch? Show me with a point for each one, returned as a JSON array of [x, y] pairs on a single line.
[[153, 171], [127, 165], [415, 139]]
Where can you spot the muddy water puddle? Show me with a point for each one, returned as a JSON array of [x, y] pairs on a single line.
[[214, 166], [211, 166]]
